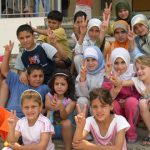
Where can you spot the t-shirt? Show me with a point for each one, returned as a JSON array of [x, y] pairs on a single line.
[[139, 85], [16, 88], [118, 123], [42, 54], [32, 134]]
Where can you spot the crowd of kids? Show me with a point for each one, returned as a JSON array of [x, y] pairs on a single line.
[[106, 97]]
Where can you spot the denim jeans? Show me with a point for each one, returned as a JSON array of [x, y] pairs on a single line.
[[45, 4]]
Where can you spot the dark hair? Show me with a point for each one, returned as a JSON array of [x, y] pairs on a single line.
[[55, 15], [102, 94], [79, 14], [24, 27], [70, 93], [33, 67]]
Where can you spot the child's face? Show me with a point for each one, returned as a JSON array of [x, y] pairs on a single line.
[[140, 29], [53, 24], [123, 13], [60, 85], [101, 111], [26, 40], [94, 33], [36, 78], [120, 66], [79, 21], [31, 109], [142, 71], [120, 35], [91, 64]]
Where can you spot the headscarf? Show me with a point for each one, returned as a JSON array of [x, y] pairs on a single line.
[[94, 52], [123, 4], [94, 22], [140, 18], [124, 54], [120, 24]]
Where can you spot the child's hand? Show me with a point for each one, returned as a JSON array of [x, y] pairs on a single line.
[[59, 103], [108, 66], [83, 144], [131, 35], [107, 10], [83, 27], [81, 116], [12, 120], [52, 36], [83, 72], [106, 18], [23, 78], [9, 47], [14, 146]]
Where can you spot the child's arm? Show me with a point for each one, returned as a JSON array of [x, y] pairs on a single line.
[[80, 119], [5, 63], [85, 145], [13, 135], [105, 23], [42, 145], [61, 52]]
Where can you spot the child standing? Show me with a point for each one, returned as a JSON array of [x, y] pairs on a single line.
[[91, 74], [141, 28], [125, 99], [142, 84], [61, 103], [108, 129], [36, 130]]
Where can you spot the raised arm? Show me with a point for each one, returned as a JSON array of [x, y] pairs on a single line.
[[61, 53], [5, 63], [80, 119]]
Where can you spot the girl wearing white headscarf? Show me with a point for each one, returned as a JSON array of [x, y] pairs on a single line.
[[87, 40], [141, 28], [126, 98], [94, 78]]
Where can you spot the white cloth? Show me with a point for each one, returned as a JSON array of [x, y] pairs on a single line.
[[124, 54], [139, 85], [32, 134], [118, 123]]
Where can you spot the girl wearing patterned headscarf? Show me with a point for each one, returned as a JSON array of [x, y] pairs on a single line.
[[91, 75], [141, 27]]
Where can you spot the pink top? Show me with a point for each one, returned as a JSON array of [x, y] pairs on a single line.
[[85, 2], [32, 134], [125, 92], [118, 123]]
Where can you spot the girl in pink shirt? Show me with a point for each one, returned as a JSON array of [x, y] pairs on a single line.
[[107, 129]]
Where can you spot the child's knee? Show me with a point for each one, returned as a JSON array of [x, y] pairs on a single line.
[[143, 104], [66, 124]]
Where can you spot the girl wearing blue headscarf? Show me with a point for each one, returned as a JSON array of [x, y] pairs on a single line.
[[91, 74]]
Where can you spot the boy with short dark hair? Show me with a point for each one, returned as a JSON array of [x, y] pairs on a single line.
[[35, 76], [57, 34], [35, 53]]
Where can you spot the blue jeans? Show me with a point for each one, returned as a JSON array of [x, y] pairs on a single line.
[[45, 4]]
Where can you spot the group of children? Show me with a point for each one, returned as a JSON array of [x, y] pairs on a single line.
[[107, 98]]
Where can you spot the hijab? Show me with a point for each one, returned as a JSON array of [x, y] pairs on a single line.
[[94, 52], [124, 54], [123, 4]]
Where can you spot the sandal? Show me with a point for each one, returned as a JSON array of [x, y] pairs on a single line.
[[146, 141]]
